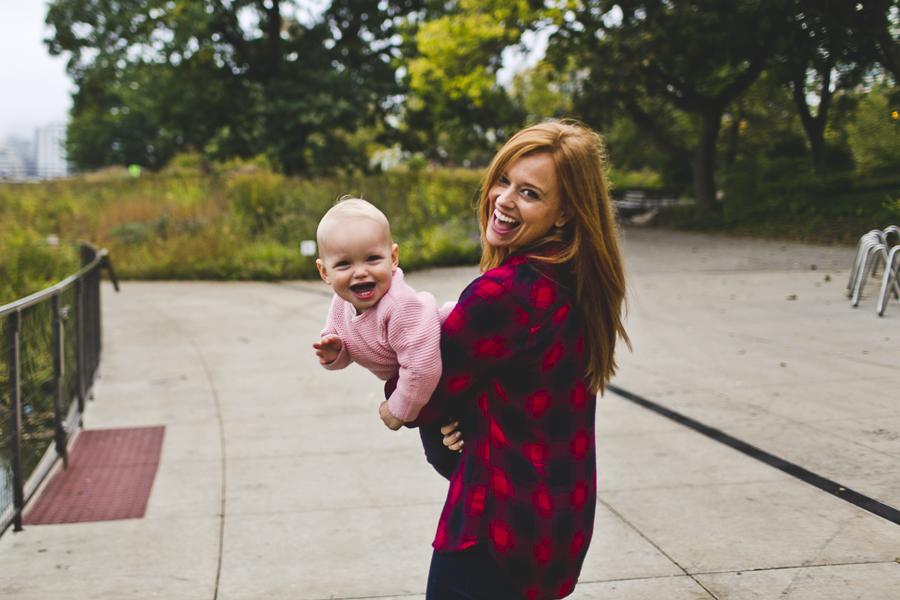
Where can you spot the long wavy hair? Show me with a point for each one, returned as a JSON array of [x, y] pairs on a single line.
[[588, 243]]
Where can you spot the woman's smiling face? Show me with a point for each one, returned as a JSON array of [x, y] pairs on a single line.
[[526, 203]]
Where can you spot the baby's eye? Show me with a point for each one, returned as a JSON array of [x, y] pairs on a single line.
[[342, 264], [374, 258]]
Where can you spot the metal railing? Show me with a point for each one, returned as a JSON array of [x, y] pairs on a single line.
[[48, 360]]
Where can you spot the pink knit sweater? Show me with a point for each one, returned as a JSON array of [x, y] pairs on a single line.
[[401, 334]]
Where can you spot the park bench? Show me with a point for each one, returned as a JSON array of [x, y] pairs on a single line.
[[634, 203]]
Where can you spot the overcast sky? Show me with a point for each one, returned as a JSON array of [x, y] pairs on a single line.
[[34, 87]]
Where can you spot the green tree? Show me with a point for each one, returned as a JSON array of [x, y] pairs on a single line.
[[233, 78], [874, 133], [871, 26], [455, 53], [818, 57], [658, 60]]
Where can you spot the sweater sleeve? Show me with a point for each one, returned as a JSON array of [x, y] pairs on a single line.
[[343, 358], [414, 333], [489, 326]]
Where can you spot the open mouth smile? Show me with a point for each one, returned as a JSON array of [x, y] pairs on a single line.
[[363, 291], [503, 223]]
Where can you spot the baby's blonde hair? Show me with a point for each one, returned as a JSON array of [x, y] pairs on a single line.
[[348, 208]]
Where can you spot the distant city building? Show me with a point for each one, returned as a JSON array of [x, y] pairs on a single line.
[[12, 166], [24, 149], [50, 151]]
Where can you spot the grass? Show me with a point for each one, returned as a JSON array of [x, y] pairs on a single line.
[[241, 222]]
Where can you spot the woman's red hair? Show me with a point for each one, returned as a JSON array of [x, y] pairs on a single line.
[[588, 242]]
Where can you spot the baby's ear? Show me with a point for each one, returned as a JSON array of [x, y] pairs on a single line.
[[395, 257], [323, 273]]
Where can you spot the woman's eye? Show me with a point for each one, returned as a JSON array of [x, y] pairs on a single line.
[[530, 193], [503, 180]]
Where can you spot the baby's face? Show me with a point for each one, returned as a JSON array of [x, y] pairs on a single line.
[[358, 260]]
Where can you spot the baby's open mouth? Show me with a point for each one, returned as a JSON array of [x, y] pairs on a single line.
[[504, 223], [363, 290]]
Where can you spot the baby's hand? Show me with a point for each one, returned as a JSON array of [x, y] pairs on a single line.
[[392, 422], [328, 348]]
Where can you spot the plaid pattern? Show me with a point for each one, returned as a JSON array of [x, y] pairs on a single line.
[[514, 371]]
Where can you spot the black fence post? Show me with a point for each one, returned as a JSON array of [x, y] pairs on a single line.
[[59, 369], [15, 409], [80, 363]]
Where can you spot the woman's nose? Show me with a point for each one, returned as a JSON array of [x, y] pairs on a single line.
[[504, 196]]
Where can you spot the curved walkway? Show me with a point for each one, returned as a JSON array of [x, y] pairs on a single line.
[[318, 500]]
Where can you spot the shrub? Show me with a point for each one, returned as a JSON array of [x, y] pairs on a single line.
[[239, 221], [29, 263], [874, 134]]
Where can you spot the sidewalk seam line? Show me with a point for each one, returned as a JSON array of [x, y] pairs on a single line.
[[654, 544], [844, 493]]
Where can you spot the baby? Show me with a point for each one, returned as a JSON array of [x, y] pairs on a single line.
[[376, 319]]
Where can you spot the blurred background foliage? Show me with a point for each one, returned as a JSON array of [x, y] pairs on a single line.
[[241, 221], [250, 117], [233, 220]]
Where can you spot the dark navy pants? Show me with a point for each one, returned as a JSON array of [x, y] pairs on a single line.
[[469, 574]]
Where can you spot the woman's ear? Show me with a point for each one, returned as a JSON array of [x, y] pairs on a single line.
[[563, 219]]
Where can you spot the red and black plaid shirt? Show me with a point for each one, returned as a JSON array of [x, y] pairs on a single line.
[[514, 376]]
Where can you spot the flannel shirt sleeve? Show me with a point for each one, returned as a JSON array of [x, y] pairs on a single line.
[[487, 327], [343, 359], [416, 338], [445, 311]]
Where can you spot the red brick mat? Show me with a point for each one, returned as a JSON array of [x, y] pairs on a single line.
[[109, 478]]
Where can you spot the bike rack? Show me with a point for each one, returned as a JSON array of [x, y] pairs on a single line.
[[889, 282], [873, 251]]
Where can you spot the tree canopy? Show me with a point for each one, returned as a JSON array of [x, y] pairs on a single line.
[[243, 77], [232, 77]]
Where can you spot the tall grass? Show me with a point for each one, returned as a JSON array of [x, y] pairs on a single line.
[[240, 221]]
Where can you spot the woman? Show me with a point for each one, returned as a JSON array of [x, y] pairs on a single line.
[[525, 352]]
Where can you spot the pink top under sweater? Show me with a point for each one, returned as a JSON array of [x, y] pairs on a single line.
[[400, 334]]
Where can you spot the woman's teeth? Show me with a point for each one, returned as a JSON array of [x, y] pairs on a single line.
[[504, 219]]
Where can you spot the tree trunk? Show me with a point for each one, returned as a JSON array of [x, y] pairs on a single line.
[[705, 159], [734, 134], [814, 126]]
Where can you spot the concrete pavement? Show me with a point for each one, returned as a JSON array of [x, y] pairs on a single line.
[[278, 480]]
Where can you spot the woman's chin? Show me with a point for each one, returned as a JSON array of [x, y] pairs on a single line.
[[500, 238]]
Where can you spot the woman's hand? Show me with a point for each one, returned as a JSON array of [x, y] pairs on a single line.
[[452, 437]]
